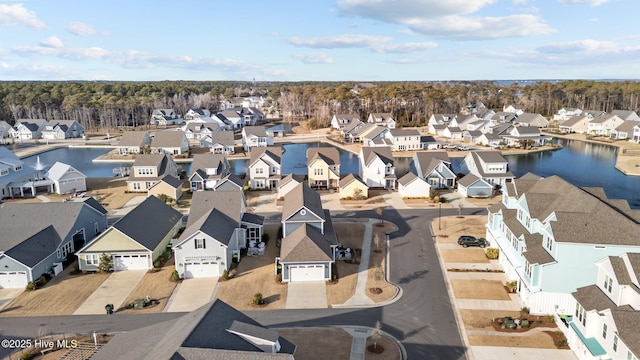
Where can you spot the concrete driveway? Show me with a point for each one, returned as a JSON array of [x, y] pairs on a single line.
[[114, 290], [192, 294], [7, 295], [307, 295]]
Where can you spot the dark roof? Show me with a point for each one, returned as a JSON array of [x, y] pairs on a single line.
[[168, 138], [149, 222], [132, 138], [254, 331], [274, 152], [252, 218], [230, 203], [208, 161], [175, 182], [469, 180], [592, 298], [329, 155], [229, 179], [36, 248], [215, 224], [301, 196], [627, 321], [305, 243]]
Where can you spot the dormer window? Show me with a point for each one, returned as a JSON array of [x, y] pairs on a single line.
[[17, 168], [4, 171]]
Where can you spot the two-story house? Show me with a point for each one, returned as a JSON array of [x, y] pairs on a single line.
[[603, 124], [62, 129], [375, 136], [490, 166], [220, 142], [550, 233], [148, 169], [165, 117], [513, 108], [134, 142], [382, 119], [604, 323], [199, 130], [26, 129], [435, 168], [576, 124], [36, 238], [626, 115], [207, 170], [566, 113], [323, 167], [255, 136], [309, 241], [340, 121], [635, 136], [265, 167], [624, 131], [525, 136], [531, 119], [404, 139], [13, 172], [233, 118], [218, 228], [194, 114], [376, 167], [172, 142]]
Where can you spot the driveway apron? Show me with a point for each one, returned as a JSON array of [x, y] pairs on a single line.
[[7, 295], [192, 294], [114, 290], [307, 295]]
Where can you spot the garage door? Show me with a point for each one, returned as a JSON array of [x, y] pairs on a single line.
[[13, 279], [200, 269], [306, 272], [130, 262]]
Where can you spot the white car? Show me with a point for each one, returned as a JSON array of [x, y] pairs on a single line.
[[463, 148]]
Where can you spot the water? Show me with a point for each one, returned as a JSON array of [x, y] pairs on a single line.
[[582, 164]]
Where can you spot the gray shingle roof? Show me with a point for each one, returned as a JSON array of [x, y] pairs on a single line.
[[258, 131], [168, 138], [172, 181], [468, 180], [427, 161], [535, 253], [381, 152], [274, 152], [627, 325], [305, 243], [149, 222], [230, 182], [132, 138], [36, 248], [404, 132], [620, 270], [329, 155], [215, 224], [209, 161], [222, 137], [230, 203], [302, 196], [592, 298], [408, 178]]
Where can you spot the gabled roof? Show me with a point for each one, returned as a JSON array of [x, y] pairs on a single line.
[[214, 223], [349, 178], [230, 203], [159, 161], [258, 131], [230, 179], [375, 132], [329, 155], [592, 298], [528, 130], [36, 247], [149, 222], [624, 114], [302, 196], [63, 124], [208, 161], [528, 118], [305, 243], [490, 156], [428, 160], [535, 253], [603, 118], [627, 126], [470, 179], [409, 178], [574, 120], [291, 177], [58, 170], [168, 138], [404, 132], [230, 114], [172, 181], [349, 117], [132, 138], [369, 154], [222, 137], [273, 152], [627, 320]]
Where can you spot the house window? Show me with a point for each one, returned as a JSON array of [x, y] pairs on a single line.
[[604, 331], [200, 244], [92, 259], [136, 186], [581, 314], [615, 343], [273, 170], [630, 356], [96, 227], [608, 283], [548, 244], [259, 170], [318, 172]]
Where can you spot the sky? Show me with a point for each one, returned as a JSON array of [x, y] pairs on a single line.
[[319, 40]]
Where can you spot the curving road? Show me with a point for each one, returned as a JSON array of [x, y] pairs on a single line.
[[422, 319]]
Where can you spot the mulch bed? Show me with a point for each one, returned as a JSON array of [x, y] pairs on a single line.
[[375, 349], [534, 322]]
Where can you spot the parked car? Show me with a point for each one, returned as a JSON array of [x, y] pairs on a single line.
[[468, 240], [449, 146], [463, 148]]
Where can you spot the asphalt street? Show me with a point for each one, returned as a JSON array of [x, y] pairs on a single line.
[[422, 319]]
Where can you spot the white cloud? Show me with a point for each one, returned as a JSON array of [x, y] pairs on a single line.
[[16, 14], [52, 41], [580, 2], [410, 47], [394, 12], [339, 41], [584, 47], [466, 28], [314, 58], [82, 29], [91, 53]]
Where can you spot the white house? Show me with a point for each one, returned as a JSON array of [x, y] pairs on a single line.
[[62, 129], [490, 166], [411, 186], [220, 142], [576, 124], [26, 129], [133, 142], [340, 121], [626, 115], [255, 136], [624, 131], [165, 117], [207, 170], [603, 124], [452, 132], [287, 183], [194, 114], [512, 108], [172, 142], [435, 168], [473, 186], [233, 117], [404, 139], [265, 167], [566, 113], [66, 179], [382, 119], [635, 137], [530, 119], [376, 167]]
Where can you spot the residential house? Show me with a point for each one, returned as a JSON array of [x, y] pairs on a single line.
[[200, 130], [452, 132], [512, 108], [479, 125], [148, 169], [604, 324], [265, 167], [404, 139], [288, 183], [437, 129], [207, 170], [194, 114], [230, 182], [473, 186], [490, 139], [36, 238], [376, 167], [490, 166], [374, 136], [382, 119], [550, 233], [502, 117], [435, 168], [277, 131], [5, 131], [357, 135], [635, 137], [323, 167], [346, 131], [172, 142], [603, 124], [428, 143], [530, 119], [62, 129], [26, 129], [441, 119], [576, 124], [234, 118], [624, 131], [592, 114], [168, 186], [66, 179], [340, 121], [15, 175], [214, 331], [352, 187], [524, 136], [567, 113], [255, 136], [626, 115], [220, 142], [472, 136], [165, 117], [135, 241], [462, 121], [474, 107], [309, 241], [412, 186], [134, 142]]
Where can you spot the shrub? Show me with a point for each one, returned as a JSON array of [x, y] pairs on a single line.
[[106, 263], [257, 299], [30, 286], [525, 310], [175, 277], [225, 275], [265, 238], [492, 253], [279, 277]]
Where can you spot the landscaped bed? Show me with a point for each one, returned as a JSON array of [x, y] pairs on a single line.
[[350, 236], [479, 289], [376, 275]]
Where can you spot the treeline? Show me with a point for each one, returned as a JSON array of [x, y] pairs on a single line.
[[105, 105]]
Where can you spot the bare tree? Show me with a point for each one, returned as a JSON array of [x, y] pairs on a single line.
[[380, 212], [377, 335]]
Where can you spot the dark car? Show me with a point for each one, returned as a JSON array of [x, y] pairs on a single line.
[[467, 240]]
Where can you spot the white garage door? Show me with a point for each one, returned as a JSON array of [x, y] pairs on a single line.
[[200, 269], [306, 272], [130, 262], [13, 279]]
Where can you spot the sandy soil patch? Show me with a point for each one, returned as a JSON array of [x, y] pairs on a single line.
[[256, 274], [453, 227], [377, 267], [479, 289], [350, 235], [390, 352], [110, 191], [156, 285], [464, 255], [481, 319], [319, 343], [539, 340], [61, 296]]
